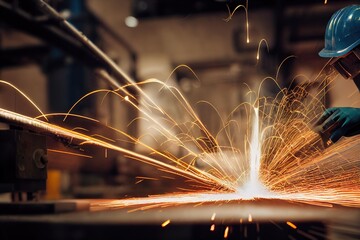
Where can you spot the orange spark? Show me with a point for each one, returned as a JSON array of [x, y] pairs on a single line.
[[291, 225], [259, 45], [69, 153], [246, 18], [139, 181], [226, 232], [167, 222], [25, 96], [147, 178]]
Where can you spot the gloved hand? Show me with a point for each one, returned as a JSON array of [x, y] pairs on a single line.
[[339, 121]]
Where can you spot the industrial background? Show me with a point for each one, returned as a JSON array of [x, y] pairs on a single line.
[[149, 39]]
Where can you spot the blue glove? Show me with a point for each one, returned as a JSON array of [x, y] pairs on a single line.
[[339, 121]]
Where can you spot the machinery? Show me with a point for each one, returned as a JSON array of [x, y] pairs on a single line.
[[24, 162]]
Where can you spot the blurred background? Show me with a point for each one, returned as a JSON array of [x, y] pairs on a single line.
[[149, 39]]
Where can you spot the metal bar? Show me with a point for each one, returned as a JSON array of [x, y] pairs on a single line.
[[24, 22], [120, 40], [110, 64]]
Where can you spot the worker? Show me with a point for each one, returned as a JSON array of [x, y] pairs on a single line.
[[342, 43]]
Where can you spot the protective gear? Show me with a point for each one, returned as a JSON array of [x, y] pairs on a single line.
[[339, 121], [349, 66], [342, 32], [342, 41]]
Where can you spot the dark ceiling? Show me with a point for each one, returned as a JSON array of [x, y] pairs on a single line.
[[164, 8]]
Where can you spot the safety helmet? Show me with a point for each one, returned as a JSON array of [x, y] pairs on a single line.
[[342, 32]]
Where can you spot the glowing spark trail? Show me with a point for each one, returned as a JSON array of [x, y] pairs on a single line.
[[69, 153], [231, 14], [226, 233], [255, 149], [258, 50], [164, 224], [291, 225]]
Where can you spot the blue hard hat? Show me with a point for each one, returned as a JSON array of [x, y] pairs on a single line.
[[342, 32]]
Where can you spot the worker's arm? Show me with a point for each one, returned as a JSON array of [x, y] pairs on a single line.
[[339, 121]]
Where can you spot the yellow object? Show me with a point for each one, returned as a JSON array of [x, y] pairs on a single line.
[[53, 185]]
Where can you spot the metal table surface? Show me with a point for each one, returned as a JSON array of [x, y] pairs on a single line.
[[259, 219]]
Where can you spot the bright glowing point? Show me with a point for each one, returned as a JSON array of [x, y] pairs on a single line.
[[212, 228], [247, 28], [291, 225], [255, 150], [131, 21], [250, 218], [167, 222], [254, 189], [258, 50], [126, 98], [213, 217], [226, 233]]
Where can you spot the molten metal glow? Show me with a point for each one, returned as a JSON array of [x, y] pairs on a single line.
[[167, 222], [291, 225], [250, 218], [255, 150], [226, 232]]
